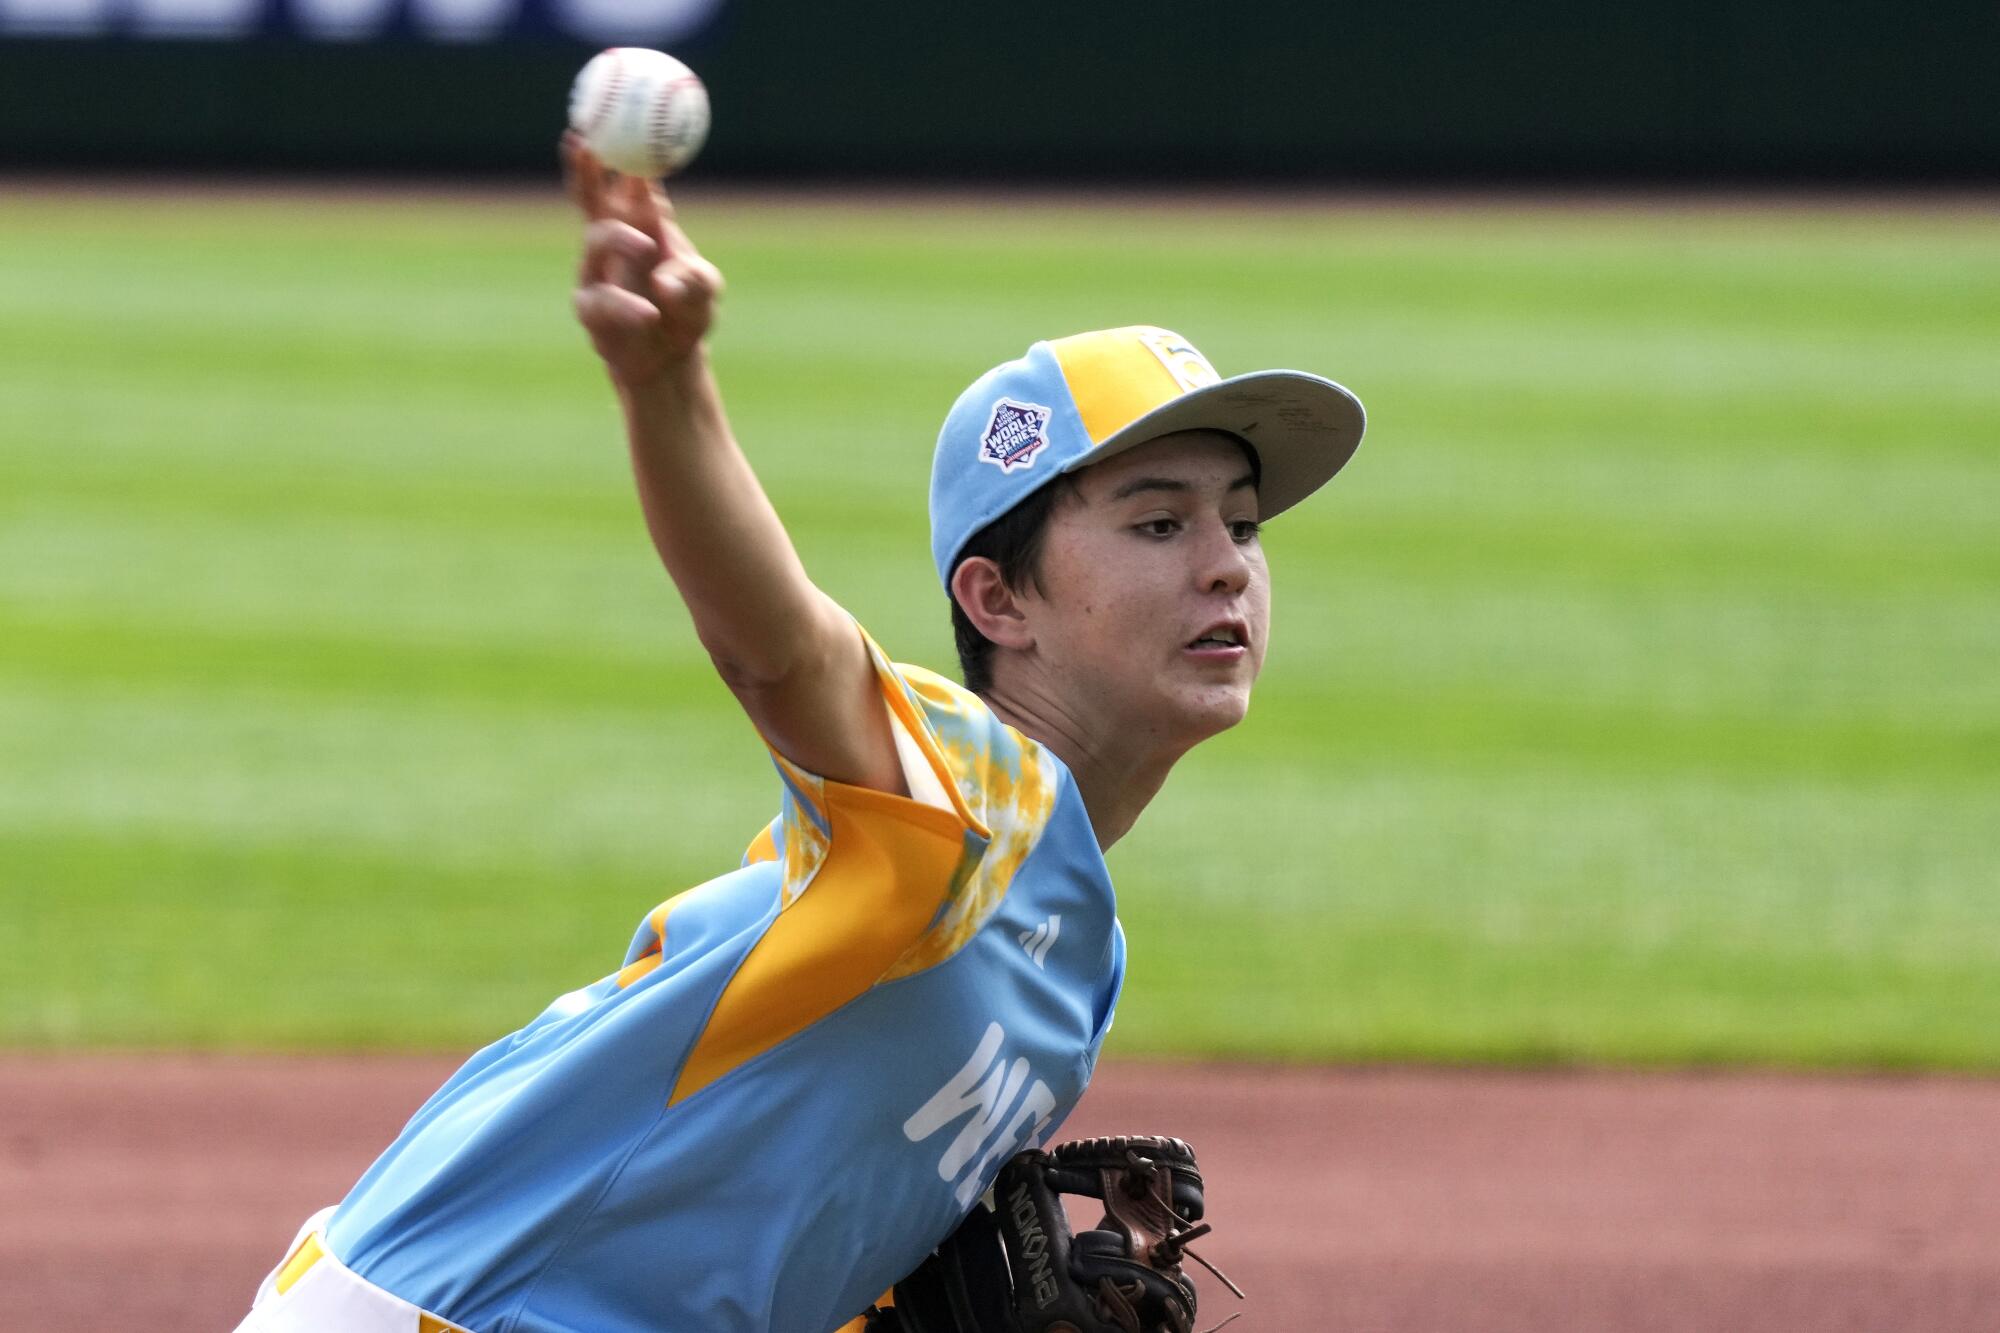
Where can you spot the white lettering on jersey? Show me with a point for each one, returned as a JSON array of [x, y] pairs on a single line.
[[1034, 1111], [1038, 940], [983, 1089]]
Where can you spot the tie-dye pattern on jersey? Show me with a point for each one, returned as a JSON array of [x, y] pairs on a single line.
[[1008, 783]]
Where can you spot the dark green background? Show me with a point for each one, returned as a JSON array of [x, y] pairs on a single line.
[[1546, 89]]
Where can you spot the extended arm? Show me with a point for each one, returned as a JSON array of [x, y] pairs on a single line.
[[790, 655]]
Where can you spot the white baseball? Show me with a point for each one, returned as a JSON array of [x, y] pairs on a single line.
[[642, 112]]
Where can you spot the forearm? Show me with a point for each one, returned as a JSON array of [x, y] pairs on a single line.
[[791, 656], [754, 608]]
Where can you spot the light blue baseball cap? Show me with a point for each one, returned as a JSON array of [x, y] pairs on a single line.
[[1075, 401]]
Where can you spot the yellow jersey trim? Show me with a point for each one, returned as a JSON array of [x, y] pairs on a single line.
[[890, 861], [657, 950], [300, 1263]]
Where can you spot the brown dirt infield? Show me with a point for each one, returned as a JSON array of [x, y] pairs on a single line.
[[153, 1191]]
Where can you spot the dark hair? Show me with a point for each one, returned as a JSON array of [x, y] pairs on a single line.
[[1012, 541]]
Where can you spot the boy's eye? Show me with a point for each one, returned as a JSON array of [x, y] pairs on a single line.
[[1159, 527], [1245, 530]]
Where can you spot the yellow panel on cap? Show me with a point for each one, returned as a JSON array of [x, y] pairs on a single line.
[[1116, 377]]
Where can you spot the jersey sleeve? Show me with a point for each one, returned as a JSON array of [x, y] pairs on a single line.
[[958, 756], [802, 836]]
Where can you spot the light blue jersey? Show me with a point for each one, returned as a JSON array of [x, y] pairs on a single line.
[[806, 1072]]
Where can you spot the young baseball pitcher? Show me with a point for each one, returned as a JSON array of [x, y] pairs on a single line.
[[809, 1069]]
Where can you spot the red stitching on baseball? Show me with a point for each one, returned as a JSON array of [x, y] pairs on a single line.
[[613, 82], [659, 139]]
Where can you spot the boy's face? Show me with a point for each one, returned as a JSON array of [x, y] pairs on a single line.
[[1152, 601]]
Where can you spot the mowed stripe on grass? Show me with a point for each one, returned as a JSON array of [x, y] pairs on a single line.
[[1632, 698]]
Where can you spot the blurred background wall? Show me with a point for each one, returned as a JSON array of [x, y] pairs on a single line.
[[1376, 90]]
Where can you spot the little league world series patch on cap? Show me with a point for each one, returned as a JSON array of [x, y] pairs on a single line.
[[1075, 401]]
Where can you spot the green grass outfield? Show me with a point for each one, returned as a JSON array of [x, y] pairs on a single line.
[[1635, 696]]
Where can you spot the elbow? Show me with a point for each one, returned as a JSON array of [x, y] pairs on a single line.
[[754, 669], [745, 675], [777, 648]]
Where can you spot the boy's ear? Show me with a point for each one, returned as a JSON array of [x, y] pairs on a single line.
[[993, 608]]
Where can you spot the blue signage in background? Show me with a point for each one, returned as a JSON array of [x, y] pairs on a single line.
[[599, 22], [1561, 91]]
